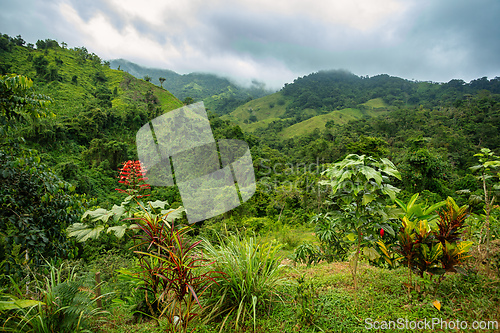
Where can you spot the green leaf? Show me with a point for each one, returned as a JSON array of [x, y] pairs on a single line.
[[412, 201], [158, 204], [172, 214], [117, 212], [351, 237], [494, 164], [119, 230], [389, 168], [367, 198], [390, 191], [82, 232], [371, 173], [98, 214], [18, 304], [371, 253], [389, 230], [476, 167]]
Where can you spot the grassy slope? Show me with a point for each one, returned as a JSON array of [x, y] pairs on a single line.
[[68, 97], [372, 108], [382, 297], [261, 109], [265, 114]]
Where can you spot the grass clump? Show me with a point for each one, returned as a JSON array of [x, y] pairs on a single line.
[[251, 276]]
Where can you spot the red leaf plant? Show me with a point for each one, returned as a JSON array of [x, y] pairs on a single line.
[[172, 270]]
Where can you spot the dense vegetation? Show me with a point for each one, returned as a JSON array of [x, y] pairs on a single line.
[[399, 178]]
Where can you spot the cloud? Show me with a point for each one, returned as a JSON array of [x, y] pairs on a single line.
[[276, 41]]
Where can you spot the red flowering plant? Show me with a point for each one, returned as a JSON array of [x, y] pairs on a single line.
[[132, 175], [117, 220]]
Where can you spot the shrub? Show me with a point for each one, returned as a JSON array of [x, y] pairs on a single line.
[[171, 270], [250, 280], [63, 303]]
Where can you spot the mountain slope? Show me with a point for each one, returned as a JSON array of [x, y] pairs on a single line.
[[97, 112], [219, 94], [339, 96]]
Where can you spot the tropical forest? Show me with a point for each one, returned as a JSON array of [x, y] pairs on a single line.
[[375, 205]]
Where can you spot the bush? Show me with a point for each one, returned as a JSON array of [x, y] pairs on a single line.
[[250, 281], [35, 209], [63, 303]]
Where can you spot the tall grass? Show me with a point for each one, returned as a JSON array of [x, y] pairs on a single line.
[[250, 280]]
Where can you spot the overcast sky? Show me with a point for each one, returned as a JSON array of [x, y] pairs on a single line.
[[275, 41]]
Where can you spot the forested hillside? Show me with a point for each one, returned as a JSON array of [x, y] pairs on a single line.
[[381, 171], [336, 97], [423, 127], [220, 95], [94, 113]]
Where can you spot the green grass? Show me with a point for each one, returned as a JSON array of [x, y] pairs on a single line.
[[266, 109], [376, 103], [340, 117], [265, 114], [381, 297]]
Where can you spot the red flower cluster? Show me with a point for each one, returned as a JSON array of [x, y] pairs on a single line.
[[382, 232], [132, 175]]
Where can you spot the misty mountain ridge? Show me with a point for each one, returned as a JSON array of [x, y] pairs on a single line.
[[219, 94]]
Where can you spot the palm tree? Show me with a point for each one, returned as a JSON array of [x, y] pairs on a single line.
[[161, 79]]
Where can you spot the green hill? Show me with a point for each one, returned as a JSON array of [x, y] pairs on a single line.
[[258, 113], [96, 111], [337, 97]]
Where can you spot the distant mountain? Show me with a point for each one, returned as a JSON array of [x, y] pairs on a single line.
[[219, 94], [336, 97]]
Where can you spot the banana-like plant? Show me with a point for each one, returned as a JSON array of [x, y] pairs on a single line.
[[100, 219]]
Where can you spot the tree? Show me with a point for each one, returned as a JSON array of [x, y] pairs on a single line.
[[376, 147], [40, 64], [423, 169], [19, 41], [188, 100], [35, 205], [360, 189], [161, 79], [147, 78], [18, 99], [489, 162], [35, 209]]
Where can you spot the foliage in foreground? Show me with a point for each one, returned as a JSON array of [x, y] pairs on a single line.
[[171, 272], [250, 281], [63, 303]]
